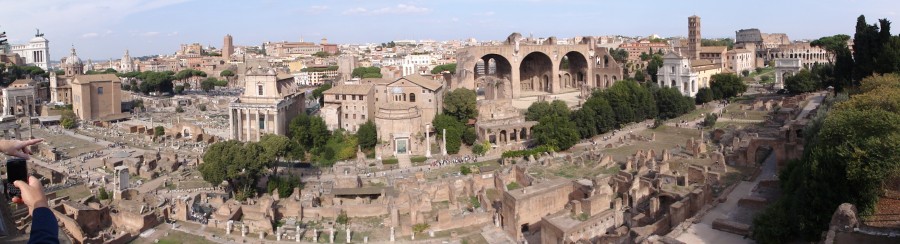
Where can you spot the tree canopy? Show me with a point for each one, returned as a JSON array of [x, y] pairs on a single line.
[[460, 103], [803, 82], [727, 85], [444, 67], [366, 72]]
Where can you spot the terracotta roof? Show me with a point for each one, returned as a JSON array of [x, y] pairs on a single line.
[[713, 49], [350, 89], [84, 79], [20, 82], [422, 81]]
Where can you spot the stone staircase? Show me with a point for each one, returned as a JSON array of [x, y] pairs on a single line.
[[403, 161]]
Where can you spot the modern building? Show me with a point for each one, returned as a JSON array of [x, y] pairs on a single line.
[[36, 52], [269, 102], [97, 97]]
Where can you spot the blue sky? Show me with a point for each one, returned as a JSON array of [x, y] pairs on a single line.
[[102, 29]]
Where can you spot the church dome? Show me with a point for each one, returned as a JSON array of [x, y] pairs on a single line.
[[73, 59]]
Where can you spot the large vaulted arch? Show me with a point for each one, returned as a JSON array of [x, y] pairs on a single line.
[[535, 71]]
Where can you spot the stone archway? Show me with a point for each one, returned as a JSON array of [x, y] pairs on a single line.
[[575, 65], [534, 66]]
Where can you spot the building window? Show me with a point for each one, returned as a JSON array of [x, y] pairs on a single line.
[[344, 97], [262, 123], [259, 89], [412, 97], [353, 97], [337, 97], [354, 116], [100, 90], [363, 116], [346, 116]]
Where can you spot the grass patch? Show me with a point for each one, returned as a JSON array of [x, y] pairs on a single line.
[[390, 161], [75, 192], [417, 159]]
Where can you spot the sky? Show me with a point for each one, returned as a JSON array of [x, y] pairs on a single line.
[[103, 29]]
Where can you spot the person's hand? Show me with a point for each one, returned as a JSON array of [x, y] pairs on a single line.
[[32, 194], [17, 148]]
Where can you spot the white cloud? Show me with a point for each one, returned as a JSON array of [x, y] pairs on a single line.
[[90, 35], [398, 9], [149, 33], [175, 33], [72, 17], [353, 11], [317, 9], [485, 14], [401, 9]]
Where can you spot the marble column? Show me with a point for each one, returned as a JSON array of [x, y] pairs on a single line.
[[444, 144], [427, 143], [231, 123], [249, 123], [348, 234], [315, 235], [393, 238], [331, 236]]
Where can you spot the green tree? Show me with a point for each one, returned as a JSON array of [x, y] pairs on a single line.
[[639, 75], [727, 85], [240, 164], [103, 194], [672, 104], [595, 116], [179, 89], [705, 95], [542, 109], [68, 119], [481, 149], [802, 82], [465, 170], [619, 55], [309, 132], [556, 131], [226, 73], [159, 131], [368, 135], [366, 72], [460, 103], [276, 146], [179, 109], [444, 67], [342, 218], [318, 93], [710, 120], [469, 135], [321, 54]]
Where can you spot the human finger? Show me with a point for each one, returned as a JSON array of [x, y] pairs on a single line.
[[21, 185], [34, 182], [18, 200], [20, 154], [32, 141]]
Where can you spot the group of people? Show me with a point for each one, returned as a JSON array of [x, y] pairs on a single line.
[[453, 160]]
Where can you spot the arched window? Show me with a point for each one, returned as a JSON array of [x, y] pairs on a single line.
[[412, 97]]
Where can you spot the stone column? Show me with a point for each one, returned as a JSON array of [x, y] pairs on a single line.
[[231, 124], [278, 233], [315, 235], [348, 234], [331, 236], [427, 143], [392, 234], [228, 227], [444, 144], [249, 123], [243, 231], [365, 239]]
